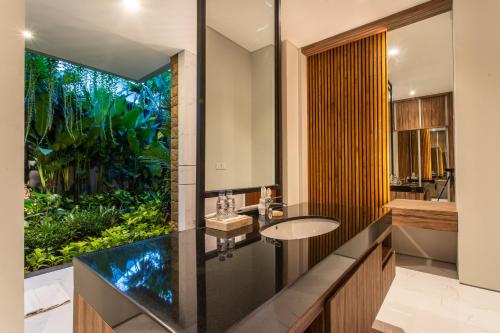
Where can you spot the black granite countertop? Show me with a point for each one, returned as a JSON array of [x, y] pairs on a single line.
[[412, 187], [206, 280]]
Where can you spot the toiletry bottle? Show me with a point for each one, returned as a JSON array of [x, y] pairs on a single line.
[[262, 201], [268, 201], [221, 206], [230, 204]]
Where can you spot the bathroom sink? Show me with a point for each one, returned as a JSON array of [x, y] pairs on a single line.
[[300, 228]]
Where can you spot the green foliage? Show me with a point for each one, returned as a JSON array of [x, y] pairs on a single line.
[[91, 132], [39, 205], [112, 237], [51, 233], [91, 222], [40, 258], [149, 213], [57, 228], [101, 146]]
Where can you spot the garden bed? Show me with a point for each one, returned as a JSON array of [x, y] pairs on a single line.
[[58, 228]]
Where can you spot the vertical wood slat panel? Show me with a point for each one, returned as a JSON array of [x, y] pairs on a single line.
[[348, 139], [433, 111]]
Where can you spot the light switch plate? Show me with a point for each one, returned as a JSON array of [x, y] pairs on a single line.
[[220, 166]]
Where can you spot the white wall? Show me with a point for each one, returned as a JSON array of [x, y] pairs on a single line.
[[425, 243], [11, 165], [228, 113], [239, 114], [294, 124], [477, 121], [263, 170]]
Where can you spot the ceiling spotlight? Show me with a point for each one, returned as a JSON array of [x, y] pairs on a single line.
[[393, 52], [27, 34], [412, 93], [132, 5]]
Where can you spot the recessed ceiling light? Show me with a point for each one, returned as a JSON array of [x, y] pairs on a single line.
[[412, 92], [27, 34], [393, 52], [132, 5]]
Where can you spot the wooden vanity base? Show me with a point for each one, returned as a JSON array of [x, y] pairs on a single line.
[[353, 306], [86, 319]]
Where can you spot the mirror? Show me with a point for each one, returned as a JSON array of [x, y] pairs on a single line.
[[240, 94], [421, 100]]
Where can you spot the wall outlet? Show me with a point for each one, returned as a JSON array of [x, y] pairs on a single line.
[[220, 166]]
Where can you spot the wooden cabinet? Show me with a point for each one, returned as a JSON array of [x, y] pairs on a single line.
[[388, 272], [355, 305], [87, 320], [441, 216]]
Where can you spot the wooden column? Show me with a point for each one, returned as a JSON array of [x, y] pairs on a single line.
[[348, 130]]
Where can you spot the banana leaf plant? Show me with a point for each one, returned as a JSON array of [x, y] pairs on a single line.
[[91, 132]]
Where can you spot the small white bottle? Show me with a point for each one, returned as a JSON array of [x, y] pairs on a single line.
[[230, 204], [221, 207], [262, 201]]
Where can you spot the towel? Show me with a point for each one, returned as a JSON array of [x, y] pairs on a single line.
[[43, 299]]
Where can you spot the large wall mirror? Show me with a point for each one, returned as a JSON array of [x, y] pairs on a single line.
[[421, 89], [240, 94]]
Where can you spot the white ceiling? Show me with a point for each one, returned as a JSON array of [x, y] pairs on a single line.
[[248, 23], [308, 21], [102, 34], [425, 61]]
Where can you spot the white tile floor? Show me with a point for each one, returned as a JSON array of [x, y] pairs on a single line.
[[417, 302], [59, 320], [422, 302]]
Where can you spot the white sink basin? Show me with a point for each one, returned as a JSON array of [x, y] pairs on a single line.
[[300, 228]]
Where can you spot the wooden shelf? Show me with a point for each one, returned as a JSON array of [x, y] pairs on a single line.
[[431, 215]]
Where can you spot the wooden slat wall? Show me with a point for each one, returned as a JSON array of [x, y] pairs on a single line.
[[405, 157], [408, 159], [348, 136], [451, 130], [406, 115], [425, 153], [433, 111]]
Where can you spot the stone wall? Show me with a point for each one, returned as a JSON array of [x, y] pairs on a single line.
[[174, 133]]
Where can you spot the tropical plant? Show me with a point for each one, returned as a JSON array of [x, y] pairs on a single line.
[[90, 132], [91, 222], [100, 147], [63, 228]]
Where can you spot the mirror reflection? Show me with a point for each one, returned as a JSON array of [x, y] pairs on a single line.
[[421, 91], [240, 94]]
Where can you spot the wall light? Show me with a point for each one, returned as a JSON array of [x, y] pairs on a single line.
[[27, 34], [132, 5], [393, 52]]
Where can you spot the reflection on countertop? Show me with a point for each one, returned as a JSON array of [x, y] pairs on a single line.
[[208, 280]]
